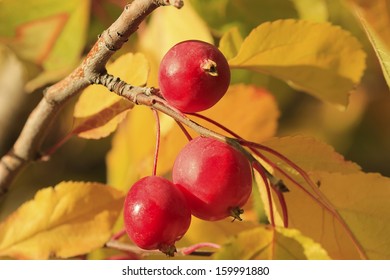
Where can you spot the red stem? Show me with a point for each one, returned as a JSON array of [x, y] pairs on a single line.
[[283, 204], [192, 249], [184, 130], [118, 235], [268, 189], [217, 124], [158, 136]]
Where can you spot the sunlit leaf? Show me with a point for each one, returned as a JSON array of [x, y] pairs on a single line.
[[67, 220], [343, 209], [362, 199], [311, 154], [374, 15], [318, 58], [267, 243], [98, 111], [176, 25], [48, 33], [132, 149]]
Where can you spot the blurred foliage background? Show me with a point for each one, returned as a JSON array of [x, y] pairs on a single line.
[[360, 132]]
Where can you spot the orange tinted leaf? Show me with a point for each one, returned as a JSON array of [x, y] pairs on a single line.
[[50, 34], [67, 220], [374, 15], [98, 111], [267, 243], [250, 111], [102, 123]]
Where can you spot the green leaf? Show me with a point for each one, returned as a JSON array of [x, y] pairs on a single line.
[[267, 243], [318, 58], [221, 15], [230, 43], [50, 34], [314, 10], [70, 219]]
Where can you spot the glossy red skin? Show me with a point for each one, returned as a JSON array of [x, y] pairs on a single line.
[[183, 82], [156, 213], [214, 177]]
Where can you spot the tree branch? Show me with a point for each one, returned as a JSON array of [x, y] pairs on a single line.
[[27, 146]]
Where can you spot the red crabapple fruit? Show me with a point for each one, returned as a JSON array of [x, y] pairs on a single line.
[[156, 214], [193, 76], [215, 178]]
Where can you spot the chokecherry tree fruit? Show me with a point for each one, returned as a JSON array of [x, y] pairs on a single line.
[[193, 76], [156, 214], [215, 178]]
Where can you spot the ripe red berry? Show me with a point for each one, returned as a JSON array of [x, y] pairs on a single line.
[[215, 178], [156, 214], [193, 76]]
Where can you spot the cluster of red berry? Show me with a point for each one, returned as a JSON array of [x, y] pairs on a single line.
[[210, 179]]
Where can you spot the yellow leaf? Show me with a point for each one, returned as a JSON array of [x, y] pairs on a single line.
[[267, 243], [318, 58], [374, 15], [362, 200], [68, 220], [343, 209], [217, 232], [311, 154], [98, 111], [131, 154], [176, 25]]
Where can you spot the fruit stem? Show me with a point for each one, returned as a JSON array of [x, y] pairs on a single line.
[[257, 166], [158, 136], [283, 204], [184, 130], [46, 156], [118, 235]]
